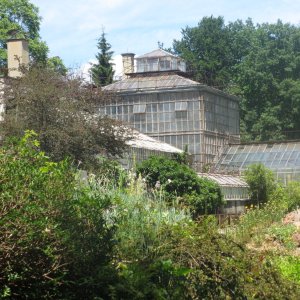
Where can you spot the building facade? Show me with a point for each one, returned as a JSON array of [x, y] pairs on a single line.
[[159, 100]]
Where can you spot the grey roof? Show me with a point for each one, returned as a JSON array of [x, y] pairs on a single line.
[[274, 155], [156, 53], [225, 180], [146, 142], [158, 81]]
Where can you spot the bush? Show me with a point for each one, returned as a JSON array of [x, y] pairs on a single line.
[[143, 224], [178, 180], [257, 221], [54, 242], [293, 195], [290, 267], [223, 269], [162, 254], [62, 239], [261, 183]]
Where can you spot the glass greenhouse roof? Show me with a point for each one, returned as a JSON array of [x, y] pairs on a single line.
[[225, 180], [146, 142], [151, 82], [282, 158]]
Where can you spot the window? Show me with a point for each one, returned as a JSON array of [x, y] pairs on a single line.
[[181, 114], [165, 65], [139, 108], [180, 106], [181, 110]]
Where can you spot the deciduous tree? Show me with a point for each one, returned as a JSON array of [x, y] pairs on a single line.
[[258, 63], [23, 16], [206, 49], [65, 115]]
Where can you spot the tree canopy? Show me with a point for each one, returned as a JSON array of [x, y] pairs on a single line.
[[259, 63], [261, 183], [102, 71], [205, 48], [55, 63], [65, 115], [23, 16]]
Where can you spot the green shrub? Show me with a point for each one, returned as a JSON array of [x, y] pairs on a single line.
[[162, 254], [54, 242], [64, 239], [256, 221], [261, 183], [143, 223], [290, 267], [283, 233], [178, 180], [293, 195], [216, 267]]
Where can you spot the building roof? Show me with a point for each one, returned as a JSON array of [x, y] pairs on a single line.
[[225, 180], [156, 53], [275, 156], [146, 142], [154, 81]]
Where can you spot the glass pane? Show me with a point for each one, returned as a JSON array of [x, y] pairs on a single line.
[[139, 108], [179, 106]]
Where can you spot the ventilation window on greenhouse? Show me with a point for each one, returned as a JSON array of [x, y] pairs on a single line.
[[139, 108], [181, 110], [180, 106]]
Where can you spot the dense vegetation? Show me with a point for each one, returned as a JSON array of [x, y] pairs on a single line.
[[259, 63], [119, 235], [261, 182], [54, 241], [178, 181], [63, 237], [64, 114]]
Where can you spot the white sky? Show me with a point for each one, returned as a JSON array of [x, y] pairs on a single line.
[[71, 27]]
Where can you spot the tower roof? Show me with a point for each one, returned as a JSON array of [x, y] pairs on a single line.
[[157, 53]]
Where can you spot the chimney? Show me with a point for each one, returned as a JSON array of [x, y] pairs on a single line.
[[128, 64], [17, 56]]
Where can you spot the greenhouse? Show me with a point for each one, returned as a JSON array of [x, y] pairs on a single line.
[[283, 158], [142, 147], [160, 101], [234, 189]]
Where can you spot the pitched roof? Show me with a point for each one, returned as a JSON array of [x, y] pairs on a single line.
[[146, 142], [275, 156], [156, 53], [158, 81], [225, 180]]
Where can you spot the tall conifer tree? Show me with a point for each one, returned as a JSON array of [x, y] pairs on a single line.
[[102, 72]]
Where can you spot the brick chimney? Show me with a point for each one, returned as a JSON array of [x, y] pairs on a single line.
[[17, 56], [128, 64]]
